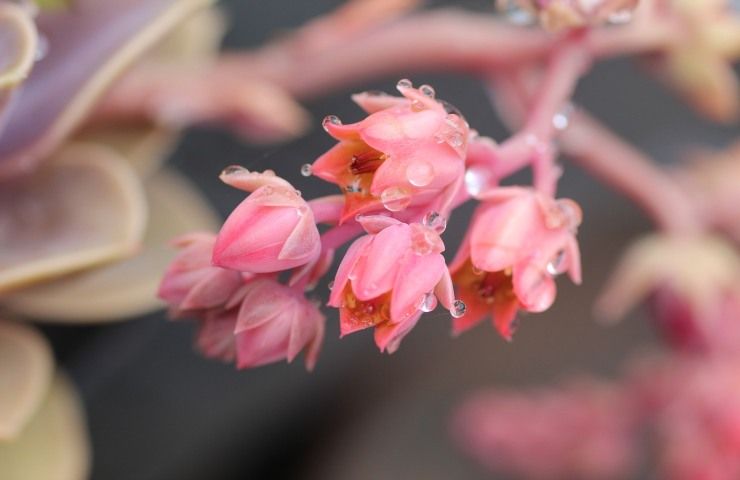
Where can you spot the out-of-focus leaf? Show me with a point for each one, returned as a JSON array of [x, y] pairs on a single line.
[[127, 288], [54, 445], [144, 146], [86, 207], [53, 4], [18, 40], [26, 367], [89, 45]]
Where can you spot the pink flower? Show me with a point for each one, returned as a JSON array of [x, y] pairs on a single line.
[[585, 431], [191, 283], [693, 284], [272, 230], [389, 278], [265, 322], [409, 151], [519, 241]]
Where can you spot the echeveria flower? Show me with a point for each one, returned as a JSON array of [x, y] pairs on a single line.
[[408, 151], [388, 278], [519, 241], [272, 230]]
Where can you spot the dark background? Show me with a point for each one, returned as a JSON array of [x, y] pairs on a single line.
[[158, 411]]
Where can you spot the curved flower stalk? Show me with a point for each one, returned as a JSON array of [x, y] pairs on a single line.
[[17, 50]]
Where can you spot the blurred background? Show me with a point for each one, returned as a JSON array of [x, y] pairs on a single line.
[[157, 410]]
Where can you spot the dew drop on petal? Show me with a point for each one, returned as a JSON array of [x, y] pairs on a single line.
[[428, 302], [477, 180], [427, 91], [420, 174], [306, 170], [435, 221], [330, 120], [620, 17], [404, 83], [458, 309], [331, 285], [395, 199], [233, 170], [555, 266], [561, 120], [42, 48], [517, 15]]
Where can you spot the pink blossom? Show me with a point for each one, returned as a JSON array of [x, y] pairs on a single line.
[[694, 405], [692, 283], [191, 282], [272, 230], [388, 278], [264, 322], [585, 430], [409, 151], [519, 241]]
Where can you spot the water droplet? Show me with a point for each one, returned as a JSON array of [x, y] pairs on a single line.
[[331, 285], [517, 15], [233, 170], [330, 120], [428, 302], [458, 309], [420, 174], [353, 187], [306, 170], [477, 180], [570, 212], [427, 91], [555, 266], [42, 48], [450, 108], [404, 83], [620, 17], [435, 221], [455, 140], [561, 120], [395, 199]]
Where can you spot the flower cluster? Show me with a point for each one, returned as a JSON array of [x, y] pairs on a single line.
[[402, 171]]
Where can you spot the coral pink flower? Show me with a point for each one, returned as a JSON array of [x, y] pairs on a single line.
[[263, 323], [408, 151], [585, 431], [272, 230], [389, 278], [191, 282], [519, 241]]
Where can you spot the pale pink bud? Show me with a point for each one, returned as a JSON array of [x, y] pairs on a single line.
[[191, 282], [520, 240], [274, 323], [272, 230], [388, 278], [409, 151]]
